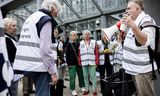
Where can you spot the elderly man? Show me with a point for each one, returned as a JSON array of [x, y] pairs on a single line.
[[34, 56], [136, 59]]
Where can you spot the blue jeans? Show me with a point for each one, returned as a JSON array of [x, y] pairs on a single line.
[[41, 80]]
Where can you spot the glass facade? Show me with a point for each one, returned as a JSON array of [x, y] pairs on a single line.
[[87, 7], [83, 8], [21, 14]]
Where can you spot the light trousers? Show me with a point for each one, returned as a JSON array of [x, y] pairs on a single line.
[[89, 72], [144, 84]]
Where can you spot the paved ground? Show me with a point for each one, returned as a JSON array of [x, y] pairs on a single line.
[[66, 90]]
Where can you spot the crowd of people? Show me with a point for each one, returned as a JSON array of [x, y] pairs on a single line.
[[41, 55]]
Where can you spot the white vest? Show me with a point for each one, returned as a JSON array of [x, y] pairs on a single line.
[[87, 53], [136, 59], [118, 55], [28, 55], [101, 48], [13, 76]]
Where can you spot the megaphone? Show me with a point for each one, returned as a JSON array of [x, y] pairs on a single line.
[[108, 32]]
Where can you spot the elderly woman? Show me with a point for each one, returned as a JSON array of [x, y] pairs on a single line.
[[88, 59], [34, 56], [72, 62], [10, 32]]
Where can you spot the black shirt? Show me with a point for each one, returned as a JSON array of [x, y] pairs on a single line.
[[11, 48], [72, 54]]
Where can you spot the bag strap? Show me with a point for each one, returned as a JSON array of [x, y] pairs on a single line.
[[150, 24], [150, 50], [151, 56], [74, 51]]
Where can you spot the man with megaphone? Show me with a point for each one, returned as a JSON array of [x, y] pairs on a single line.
[[136, 60]]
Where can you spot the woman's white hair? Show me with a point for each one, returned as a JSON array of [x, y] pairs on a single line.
[[72, 32], [48, 4], [8, 21], [86, 31]]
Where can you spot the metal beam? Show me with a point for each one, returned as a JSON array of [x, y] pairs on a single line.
[[84, 18], [29, 11], [59, 19], [19, 17], [116, 17], [89, 17], [98, 7], [72, 9], [4, 2], [13, 4]]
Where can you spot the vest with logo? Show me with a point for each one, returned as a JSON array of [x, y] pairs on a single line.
[[87, 53], [28, 55]]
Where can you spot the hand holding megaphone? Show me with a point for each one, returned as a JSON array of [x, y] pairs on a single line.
[[121, 26], [127, 20]]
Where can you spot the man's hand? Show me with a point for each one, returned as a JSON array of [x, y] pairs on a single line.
[[128, 20], [54, 79]]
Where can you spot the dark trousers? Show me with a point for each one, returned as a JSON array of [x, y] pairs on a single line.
[[27, 85], [105, 69], [57, 90]]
